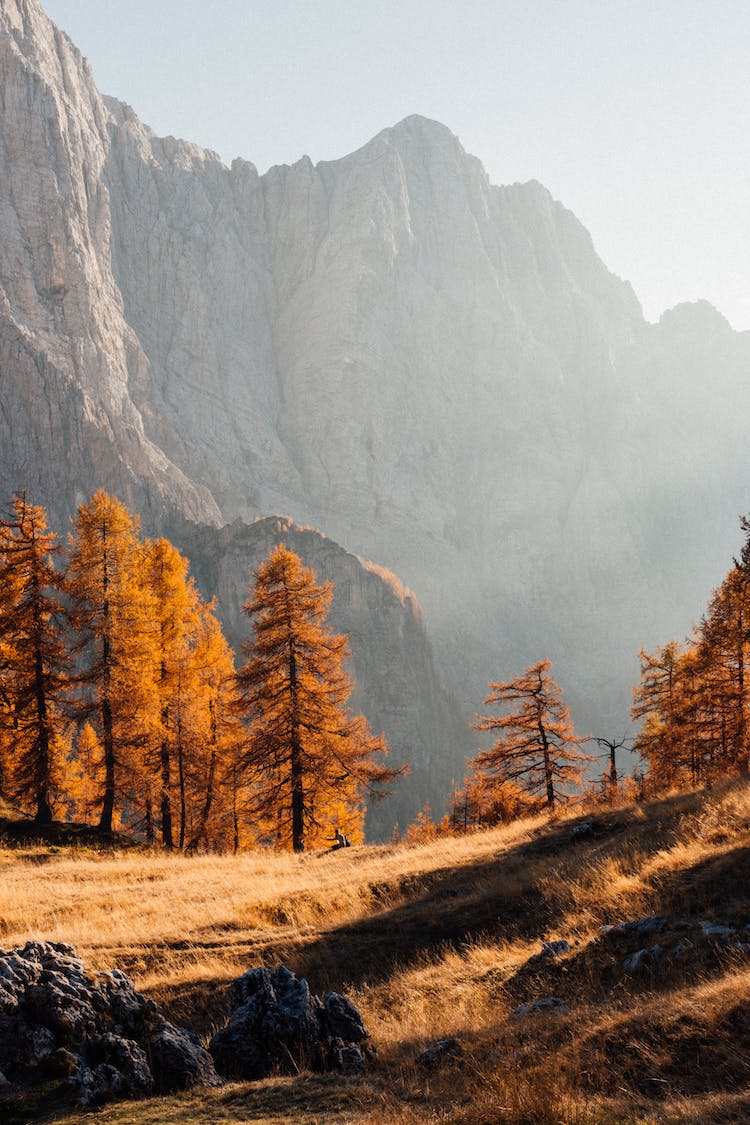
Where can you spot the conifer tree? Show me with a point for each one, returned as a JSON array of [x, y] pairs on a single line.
[[112, 610], [218, 737], [659, 700], [34, 660], [537, 746], [725, 634], [305, 750], [175, 608]]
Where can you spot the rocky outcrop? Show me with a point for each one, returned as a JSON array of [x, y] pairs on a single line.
[[277, 1027], [439, 373], [98, 1037]]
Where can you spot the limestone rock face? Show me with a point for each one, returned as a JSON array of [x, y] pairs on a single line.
[[439, 373]]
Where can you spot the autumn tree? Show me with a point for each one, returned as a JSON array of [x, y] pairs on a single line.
[[34, 659], [112, 611], [724, 642], [305, 751], [218, 738], [174, 607], [423, 830], [536, 746]]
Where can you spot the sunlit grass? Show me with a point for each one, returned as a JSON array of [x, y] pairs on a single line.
[[626, 1051]]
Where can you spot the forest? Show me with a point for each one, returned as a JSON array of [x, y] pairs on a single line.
[[121, 704]]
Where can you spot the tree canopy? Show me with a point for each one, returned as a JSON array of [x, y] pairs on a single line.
[[537, 747], [309, 759]]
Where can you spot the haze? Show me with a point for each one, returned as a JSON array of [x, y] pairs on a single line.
[[633, 114]]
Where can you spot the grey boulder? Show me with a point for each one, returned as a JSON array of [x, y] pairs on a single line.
[[277, 1026]]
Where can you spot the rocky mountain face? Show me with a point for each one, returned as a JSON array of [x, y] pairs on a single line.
[[437, 372]]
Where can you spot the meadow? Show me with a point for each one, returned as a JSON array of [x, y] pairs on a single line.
[[434, 941]]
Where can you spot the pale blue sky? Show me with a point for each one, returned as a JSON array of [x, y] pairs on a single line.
[[635, 114]]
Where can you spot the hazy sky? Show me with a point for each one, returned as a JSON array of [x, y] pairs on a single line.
[[633, 112]]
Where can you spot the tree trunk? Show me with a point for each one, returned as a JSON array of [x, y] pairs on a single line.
[[181, 780], [108, 806], [298, 793], [166, 800], [201, 832], [43, 808], [548, 779]]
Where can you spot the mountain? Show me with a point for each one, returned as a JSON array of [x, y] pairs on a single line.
[[436, 372]]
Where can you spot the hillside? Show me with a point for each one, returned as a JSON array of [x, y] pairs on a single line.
[[436, 941]]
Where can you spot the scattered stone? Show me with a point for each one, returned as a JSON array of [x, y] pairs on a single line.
[[442, 1053], [97, 1035], [550, 951], [278, 1027], [582, 831], [654, 924], [643, 959], [715, 929], [538, 1007]]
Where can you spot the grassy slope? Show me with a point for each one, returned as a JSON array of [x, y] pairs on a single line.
[[433, 941]]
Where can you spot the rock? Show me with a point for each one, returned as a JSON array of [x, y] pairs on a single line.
[[179, 1060], [550, 951], [716, 930], [277, 1027], [643, 959], [123, 1072], [347, 1058], [440, 1054], [654, 924], [63, 1062], [544, 1006], [341, 1019], [582, 831], [3, 1081], [98, 1035]]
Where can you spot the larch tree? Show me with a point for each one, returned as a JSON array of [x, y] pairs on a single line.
[[112, 611], [175, 607], [659, 701], [34, 658], [537, 746], [215, 777], [725, 633], [305, 751]]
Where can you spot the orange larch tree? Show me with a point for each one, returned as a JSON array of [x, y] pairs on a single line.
[[215, 778], [305, 751], [34, 658], [537, 746], [113, 613], [175, 607]]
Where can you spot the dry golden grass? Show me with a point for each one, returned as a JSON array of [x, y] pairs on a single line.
[[433, 942]]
